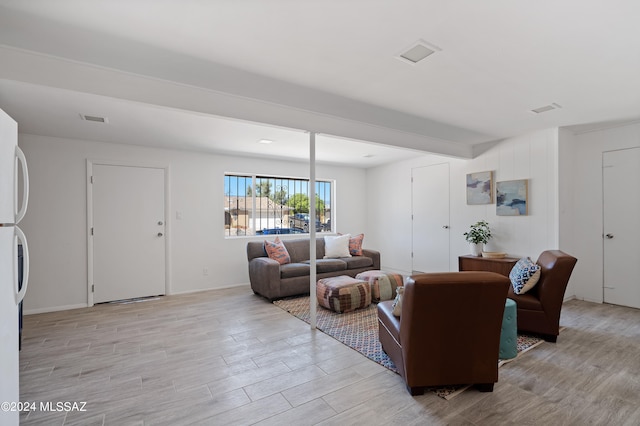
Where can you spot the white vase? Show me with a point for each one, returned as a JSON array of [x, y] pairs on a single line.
[[476, 249]]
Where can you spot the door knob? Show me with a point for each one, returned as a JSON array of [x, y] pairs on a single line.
[[159, 234], [445, 226], [160, 222], [609, 236]]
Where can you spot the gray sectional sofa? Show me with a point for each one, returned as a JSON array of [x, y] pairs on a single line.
[[274, 281]]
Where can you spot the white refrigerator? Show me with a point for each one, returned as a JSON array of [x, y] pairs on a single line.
[[12, 162]]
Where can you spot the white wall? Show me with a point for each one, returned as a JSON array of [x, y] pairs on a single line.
[[567, 196], [56, 221], [565, 200], [584, 222], [532, 156]]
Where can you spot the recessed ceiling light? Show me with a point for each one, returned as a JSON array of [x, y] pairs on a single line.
[[417, 52], [546, 108], [94, 118], [265, 141], [368, 155]]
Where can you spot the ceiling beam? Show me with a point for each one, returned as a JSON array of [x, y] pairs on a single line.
[[36, 68]]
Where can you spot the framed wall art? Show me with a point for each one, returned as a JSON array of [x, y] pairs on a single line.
[[512, 198], [480, 188]]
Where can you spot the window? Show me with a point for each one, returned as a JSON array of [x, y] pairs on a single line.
[[255, 205]]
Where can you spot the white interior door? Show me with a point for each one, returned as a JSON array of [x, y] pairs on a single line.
[[128, 232], [621, 198], [430, 213]]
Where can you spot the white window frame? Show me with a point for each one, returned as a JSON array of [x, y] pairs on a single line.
[[252, 224]]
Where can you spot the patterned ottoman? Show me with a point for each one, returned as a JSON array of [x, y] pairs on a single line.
[[509, 332], [343, 293], [383, 284]]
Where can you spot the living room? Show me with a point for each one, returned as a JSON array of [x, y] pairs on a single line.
[[561, 158], [564, 180]]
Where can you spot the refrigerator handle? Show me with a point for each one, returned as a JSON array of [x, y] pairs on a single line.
[[25, 184], [25, 268]]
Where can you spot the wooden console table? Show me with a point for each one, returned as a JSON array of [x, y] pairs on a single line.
[[475, 263]]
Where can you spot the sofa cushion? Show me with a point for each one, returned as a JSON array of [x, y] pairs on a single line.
[[329, 265], [277, 251], [357, 262], [526, 301], [298, 250], [291, 270], [336, 246]]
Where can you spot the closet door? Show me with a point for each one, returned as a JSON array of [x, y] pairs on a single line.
[[621, 203], [430, 218]]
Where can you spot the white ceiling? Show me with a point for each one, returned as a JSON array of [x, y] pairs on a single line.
[[334, 60]]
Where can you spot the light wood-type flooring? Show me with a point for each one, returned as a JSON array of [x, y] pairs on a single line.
[[228, 357]]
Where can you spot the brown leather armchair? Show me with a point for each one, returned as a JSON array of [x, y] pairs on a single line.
[[449, 329], [539, 308]]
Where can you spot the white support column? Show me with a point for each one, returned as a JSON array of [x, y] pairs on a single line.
[[313, 301], [253, 204]]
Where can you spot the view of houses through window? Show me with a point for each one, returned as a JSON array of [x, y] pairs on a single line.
[[255, 205]]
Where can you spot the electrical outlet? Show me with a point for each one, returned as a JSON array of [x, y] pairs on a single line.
[[205, 271]]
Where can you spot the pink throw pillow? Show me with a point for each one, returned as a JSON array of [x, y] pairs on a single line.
[[355, 245], [277, 251]]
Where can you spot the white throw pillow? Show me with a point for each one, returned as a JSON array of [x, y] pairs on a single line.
[[336, 246], [397, 303]]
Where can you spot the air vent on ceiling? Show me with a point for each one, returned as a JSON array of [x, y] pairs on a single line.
[[546, 108], [94, 118], [417, 52]]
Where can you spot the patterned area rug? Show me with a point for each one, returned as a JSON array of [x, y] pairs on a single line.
[[359, 330]]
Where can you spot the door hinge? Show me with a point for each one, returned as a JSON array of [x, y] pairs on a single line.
[[93, 288], [91, 179], [412, 255], [91, 231]]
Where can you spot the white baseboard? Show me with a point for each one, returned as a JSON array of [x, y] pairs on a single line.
[[54, 309], [210, 288], [587, 299], [84, 305]]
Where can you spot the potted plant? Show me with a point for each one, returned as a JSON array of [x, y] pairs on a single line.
[[478, 234]]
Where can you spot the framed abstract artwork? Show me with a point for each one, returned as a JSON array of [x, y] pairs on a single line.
[[512, 198], [480, 188]]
